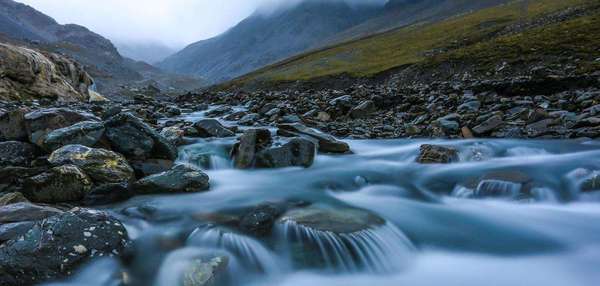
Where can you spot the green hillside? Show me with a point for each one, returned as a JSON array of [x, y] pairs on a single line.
[[506, 33]]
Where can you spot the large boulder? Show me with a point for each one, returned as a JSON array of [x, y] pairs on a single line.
[[250, 143], [103, 166], [326, 143], [86, 133], [25, 211], [299, 152], [60, 184], [435, 154], [180, 179], [29, 74], [134, 138], [15, 153], [12, 125], [212, 128], [41, 122], [55, 247]]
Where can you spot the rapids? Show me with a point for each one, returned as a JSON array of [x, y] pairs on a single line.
[[438, 228]]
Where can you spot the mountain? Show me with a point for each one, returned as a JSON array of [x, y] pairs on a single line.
[[149, 52], [264, 38], [511, 39]]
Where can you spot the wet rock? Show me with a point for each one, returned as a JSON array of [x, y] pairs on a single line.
[[12, 125], [60, 184], [488, 126], [435, 154], [41, 122], [363, 110], [250, 143], [86, 133], [260, 220], [101, 165], [334, 220], [212, 128], [13, 230], [24, 211], [12, 198], [174, 135], [291, 119], [326, 143], [219, 111], [205, 271], [57, 246], [180, 179], [107, 194], [298, 152], [17, 154], [249, 119], [134, 138], [506, 184]]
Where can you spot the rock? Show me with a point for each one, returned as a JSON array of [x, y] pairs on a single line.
[[24, 211], [86, 133], [205, 271], [466, 133], [134, 138], [180, 179], [41, 122], [448, 125], [507, 184], [194, 267], [13, 230], [250, 143], [326, 143], [344, 101], [470, 106], [333, 220], [150, 167], [291, 119], [57, 246], [12, 198], [60, 184], [101, 165], [259, 221], [174, 135], [323, 116], [249, 119], [17, 154], [107, 194], [488, 126], [434, 154], [363, 110], [219, 111], [212, 128], [298, 152], [12, 125]]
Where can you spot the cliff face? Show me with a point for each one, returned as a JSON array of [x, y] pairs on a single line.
[[29, 74]]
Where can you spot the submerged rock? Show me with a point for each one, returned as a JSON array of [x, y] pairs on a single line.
[[435, 154], [60, 184], [299, 152], [260, 220], [101, 165], [180, 179], [86, 133], [212, 128], [55, 247], [326, 143], [334, 220], [205, 271]]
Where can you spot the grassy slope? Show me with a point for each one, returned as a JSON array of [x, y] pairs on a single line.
[[465, 37]]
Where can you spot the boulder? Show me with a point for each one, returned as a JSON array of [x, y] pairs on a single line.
[[55, 247], [17, 154], [12, 198], [13, 230], [299, 152], [249, 119], [205, 271], [150, 167], [12, 125], [180, 179], [174, 135], [107, 194], [326, 143], [488, 126], [60, 184], [25, 211], [86, 133], [332, 220], [435, 154], [41, 122], [363, 110], [101, 165], [260, 220], [134, 138], [212, 128], [250, 143]]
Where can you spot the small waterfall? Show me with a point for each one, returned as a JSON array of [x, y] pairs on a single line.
[[380, 249], [498, 188], [251, 253]]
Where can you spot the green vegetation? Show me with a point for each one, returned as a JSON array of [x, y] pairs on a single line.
[[479, 37]]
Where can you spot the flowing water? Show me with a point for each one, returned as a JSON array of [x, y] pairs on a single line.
[[509, 213]]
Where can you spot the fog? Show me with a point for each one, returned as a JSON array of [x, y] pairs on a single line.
[[174, 23]]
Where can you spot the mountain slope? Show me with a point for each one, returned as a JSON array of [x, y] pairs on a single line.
[[484, 40], [263, 39]]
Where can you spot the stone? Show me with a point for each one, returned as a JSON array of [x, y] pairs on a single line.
[[150, 167], [66, 183], [326, 143], [364, 109], [103, 166], [249, 144], [488, 126], [86, 133], [25, 211], [12, 198], [107, 194], [16, 154], [470, 106], [41, 122], [132, 137], [174, 135], [212, 128], [249, 119], [12, 125], [180, 179], [57, 246], [323, 116], [435, 154], [293, 118], [334, 220], [205, 271], [260, 220], [299, 152], [13, 230]]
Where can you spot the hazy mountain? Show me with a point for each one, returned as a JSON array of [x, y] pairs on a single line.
[[264, 38], [149, 52]]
